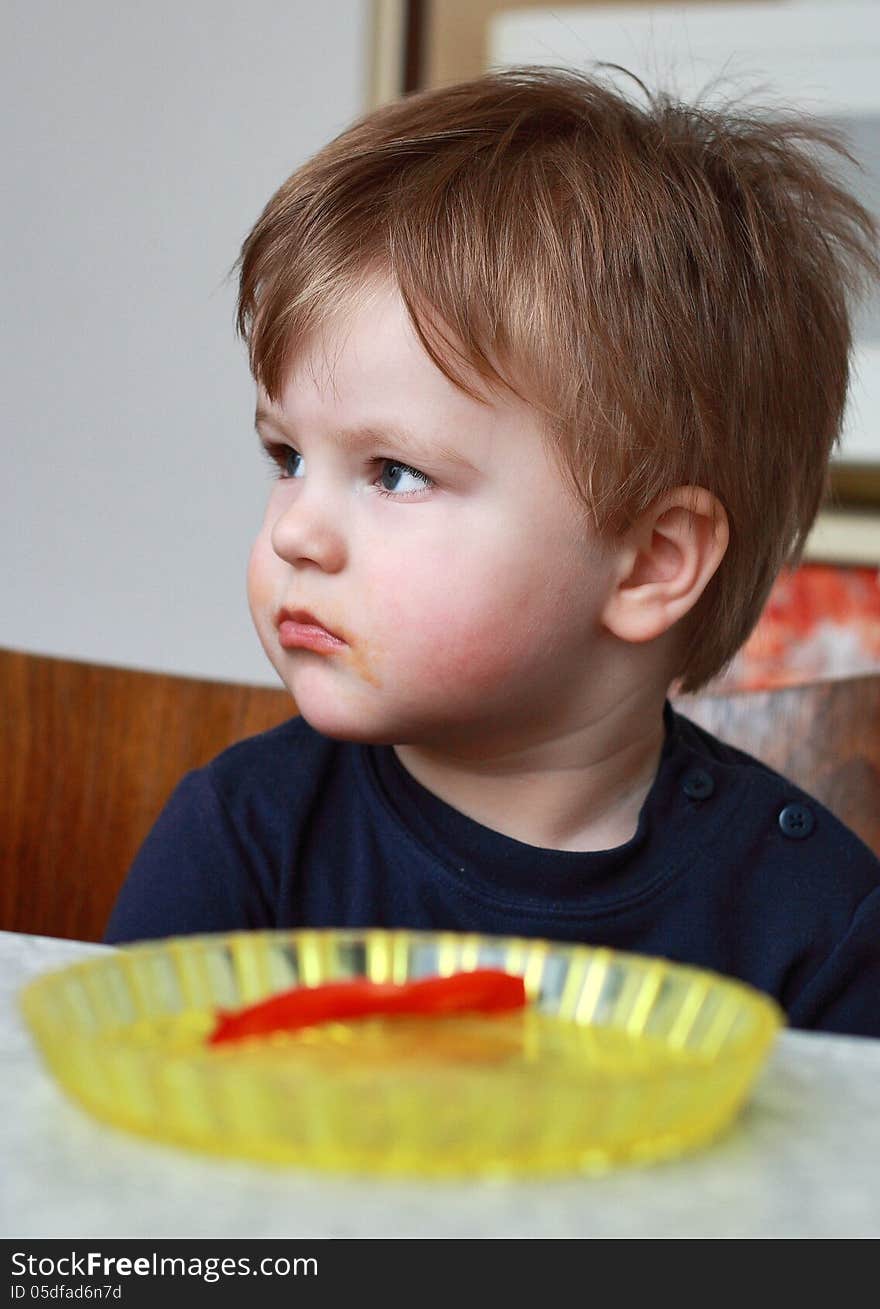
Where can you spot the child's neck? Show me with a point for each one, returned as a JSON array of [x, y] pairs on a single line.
[[578, 791]]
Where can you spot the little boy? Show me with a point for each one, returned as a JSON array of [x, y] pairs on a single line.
[[549, 381]]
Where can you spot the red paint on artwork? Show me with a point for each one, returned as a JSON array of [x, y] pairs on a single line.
[[819, 622]]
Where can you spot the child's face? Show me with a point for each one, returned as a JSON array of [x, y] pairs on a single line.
[[468, 595]]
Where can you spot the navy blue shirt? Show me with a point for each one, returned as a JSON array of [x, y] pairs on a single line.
[[731, 868]]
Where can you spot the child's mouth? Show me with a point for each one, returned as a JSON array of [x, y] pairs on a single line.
[[300, 630]]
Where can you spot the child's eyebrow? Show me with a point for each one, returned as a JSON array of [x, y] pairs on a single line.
[[388, 433]]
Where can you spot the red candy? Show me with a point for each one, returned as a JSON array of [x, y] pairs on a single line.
[[485, 990]]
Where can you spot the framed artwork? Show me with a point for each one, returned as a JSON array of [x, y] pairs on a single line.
[[805, 54]]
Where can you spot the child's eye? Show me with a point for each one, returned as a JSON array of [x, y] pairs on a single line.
[[281, 459], [395, 470], [287, 464]]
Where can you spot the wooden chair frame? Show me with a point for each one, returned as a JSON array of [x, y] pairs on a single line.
[[89, 755]]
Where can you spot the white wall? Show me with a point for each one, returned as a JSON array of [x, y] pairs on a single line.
[[142, 141]]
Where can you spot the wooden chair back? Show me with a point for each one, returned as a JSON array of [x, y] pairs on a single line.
[[825, 736], [88, 757]]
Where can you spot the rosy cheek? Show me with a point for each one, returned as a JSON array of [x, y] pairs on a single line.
[[472, 646], [259, 576]]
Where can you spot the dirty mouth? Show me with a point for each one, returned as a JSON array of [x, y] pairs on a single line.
[[301, 630]]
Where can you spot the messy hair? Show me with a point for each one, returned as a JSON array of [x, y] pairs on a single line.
[[667, 284]]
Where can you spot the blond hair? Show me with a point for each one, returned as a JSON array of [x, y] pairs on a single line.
[[667, 284]]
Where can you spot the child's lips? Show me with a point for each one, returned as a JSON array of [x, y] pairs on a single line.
[[300, 630]]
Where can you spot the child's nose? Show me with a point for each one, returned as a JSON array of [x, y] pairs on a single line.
[[310, 531]]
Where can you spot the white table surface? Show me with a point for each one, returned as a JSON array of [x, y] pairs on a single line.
[[803, 1160]]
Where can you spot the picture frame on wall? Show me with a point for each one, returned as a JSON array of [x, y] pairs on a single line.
[[765, 46]]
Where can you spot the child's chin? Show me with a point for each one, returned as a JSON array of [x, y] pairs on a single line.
[[339, 724]]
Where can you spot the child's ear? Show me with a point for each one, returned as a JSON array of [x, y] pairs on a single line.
[[666, 558]]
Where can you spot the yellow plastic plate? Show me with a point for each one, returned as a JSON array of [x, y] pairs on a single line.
[[617, 1057]]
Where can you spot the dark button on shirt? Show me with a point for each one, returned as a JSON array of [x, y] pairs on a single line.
[[796, 821], [698, 784]]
